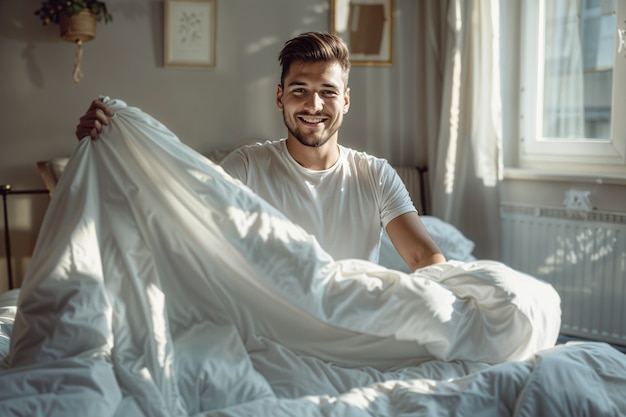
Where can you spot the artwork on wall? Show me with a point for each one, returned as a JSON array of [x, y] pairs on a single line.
[[367, 28], [189, 33]]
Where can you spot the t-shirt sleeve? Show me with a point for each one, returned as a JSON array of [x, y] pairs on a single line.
[[395, 198], [236, 165]]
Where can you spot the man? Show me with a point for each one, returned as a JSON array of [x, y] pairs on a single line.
[[341, 196]]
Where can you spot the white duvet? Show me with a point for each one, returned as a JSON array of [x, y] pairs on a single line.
[[161, 287]]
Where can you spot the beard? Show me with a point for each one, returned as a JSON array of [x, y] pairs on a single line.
[[312, 140]]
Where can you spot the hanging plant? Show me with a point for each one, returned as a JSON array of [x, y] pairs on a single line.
[[52, 10], [77, 22]]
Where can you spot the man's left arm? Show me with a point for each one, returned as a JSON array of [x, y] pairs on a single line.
[[413, 242]]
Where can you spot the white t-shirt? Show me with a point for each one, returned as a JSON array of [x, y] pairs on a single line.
[[345, 207]]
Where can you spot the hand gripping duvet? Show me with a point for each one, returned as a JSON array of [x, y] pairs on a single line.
[[152, 262]]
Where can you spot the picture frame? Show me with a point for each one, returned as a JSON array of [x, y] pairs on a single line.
[[367, 27], [190, 29]]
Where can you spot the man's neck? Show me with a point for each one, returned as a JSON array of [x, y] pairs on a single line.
[[314, 158]]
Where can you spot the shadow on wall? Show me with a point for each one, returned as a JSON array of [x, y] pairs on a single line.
[[22, 25]]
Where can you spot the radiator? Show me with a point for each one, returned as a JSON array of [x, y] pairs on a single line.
[[583, 257]]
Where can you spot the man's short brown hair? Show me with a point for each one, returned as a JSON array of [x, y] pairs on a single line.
[[315, 47]]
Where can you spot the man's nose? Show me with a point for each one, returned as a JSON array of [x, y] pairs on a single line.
[[315, 102]]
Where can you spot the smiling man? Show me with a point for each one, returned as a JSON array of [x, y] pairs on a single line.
[[342, 196]]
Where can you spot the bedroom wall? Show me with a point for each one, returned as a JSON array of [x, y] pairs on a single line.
[[221, 107]]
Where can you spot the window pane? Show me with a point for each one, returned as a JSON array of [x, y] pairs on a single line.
[[578, 69]]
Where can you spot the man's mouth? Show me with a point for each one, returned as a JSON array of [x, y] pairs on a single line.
[[311, 119]]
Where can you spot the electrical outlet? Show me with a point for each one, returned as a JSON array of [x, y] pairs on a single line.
[[578, 200]]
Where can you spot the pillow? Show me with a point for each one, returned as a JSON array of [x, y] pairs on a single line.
[[450, 240], [58, 165]]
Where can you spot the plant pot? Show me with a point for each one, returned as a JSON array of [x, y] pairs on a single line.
[[80, 26]]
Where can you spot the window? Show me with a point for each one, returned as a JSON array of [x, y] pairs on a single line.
[[573, 86]]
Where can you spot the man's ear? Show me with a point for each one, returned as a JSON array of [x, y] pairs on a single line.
[[346, 101], [279, 97]]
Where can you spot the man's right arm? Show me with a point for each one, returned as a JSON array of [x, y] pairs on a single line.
[[93, 120]]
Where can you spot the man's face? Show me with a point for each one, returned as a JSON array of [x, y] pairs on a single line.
[[313, 99]]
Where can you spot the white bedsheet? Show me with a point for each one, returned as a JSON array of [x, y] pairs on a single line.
[[161, 287]]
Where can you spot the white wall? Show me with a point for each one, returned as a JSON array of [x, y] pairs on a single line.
[[221, 107]]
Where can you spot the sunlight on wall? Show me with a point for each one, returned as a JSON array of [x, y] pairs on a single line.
[[262, 44]]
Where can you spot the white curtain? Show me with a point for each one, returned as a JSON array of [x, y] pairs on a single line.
[[464, 128], [563, 101]]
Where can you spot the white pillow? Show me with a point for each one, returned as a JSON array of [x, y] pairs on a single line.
[[450, 240], [58, 165]]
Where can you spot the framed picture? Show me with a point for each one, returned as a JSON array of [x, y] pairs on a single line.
[[190, 31], [367, 28]]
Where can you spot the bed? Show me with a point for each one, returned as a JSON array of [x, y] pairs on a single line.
[[159, 286]]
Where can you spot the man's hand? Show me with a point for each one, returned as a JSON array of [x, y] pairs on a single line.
[[91, 123]]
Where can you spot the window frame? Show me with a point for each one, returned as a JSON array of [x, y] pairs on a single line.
[[580, 155]]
